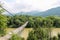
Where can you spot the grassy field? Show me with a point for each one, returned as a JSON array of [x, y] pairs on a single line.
[[26, 31], [10, 29]]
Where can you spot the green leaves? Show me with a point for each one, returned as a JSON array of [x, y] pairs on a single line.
[[34, 22], [38, 34], [3, 24], [16, 37]]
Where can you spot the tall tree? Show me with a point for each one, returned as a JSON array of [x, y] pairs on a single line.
[[3, 23]]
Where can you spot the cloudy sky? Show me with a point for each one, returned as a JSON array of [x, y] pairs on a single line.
[[30, 5]]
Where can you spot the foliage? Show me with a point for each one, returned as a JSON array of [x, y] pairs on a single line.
[[16, 37], [1, 10], [18, 20], [3, 23], [58, 36], [54, 38], [38, 34]]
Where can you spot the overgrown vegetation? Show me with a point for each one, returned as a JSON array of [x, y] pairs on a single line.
[[39, 34], [56, 37], [16, 37], [18, 20], [3, 23]]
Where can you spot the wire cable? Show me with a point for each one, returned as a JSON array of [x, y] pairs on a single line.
[[5, 9]]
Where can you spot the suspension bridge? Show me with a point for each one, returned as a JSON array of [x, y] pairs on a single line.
[[16, 31]]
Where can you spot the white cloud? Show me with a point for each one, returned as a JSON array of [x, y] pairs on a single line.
[[29, 5]]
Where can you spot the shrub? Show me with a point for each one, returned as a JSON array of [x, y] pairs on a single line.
[[38, 34], [16, 37]]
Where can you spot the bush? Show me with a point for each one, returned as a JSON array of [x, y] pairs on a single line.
[[18, 20], [58, 36], [54, 38], [16, 37], [3, 24], [38, 34]]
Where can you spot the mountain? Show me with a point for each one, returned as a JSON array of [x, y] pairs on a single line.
[[28, 13], [50, 12]]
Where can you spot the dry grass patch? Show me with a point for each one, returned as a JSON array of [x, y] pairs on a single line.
[[25, 32]]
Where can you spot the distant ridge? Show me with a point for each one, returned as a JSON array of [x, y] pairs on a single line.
[[50, 12]]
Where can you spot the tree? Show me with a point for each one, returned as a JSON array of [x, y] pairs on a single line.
[[16, 37], [1, 10], [3, 23], [57, 23], [58, 36], [38, 34], [54, 38]]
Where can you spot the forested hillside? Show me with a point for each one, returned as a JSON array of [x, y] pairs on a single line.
[[18, 20]]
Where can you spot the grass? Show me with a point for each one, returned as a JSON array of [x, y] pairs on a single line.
[[10, 29], [25, 32]]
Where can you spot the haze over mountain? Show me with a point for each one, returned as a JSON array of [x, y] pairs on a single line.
[[50, 12], [15, 6]]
